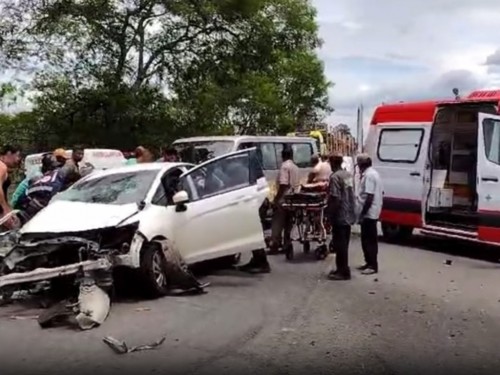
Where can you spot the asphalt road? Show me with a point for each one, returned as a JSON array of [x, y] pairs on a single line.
[[416, 315]]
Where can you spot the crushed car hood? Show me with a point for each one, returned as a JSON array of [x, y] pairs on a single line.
[[63, 217]]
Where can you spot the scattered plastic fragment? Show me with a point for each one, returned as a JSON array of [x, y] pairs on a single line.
[[120, 347], [23, 317]]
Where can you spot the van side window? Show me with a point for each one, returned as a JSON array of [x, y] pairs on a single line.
[[491, 134], [399, 145], [279, 148], [302, 154], [269, 158]]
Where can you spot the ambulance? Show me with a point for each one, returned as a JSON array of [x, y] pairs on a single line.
[[439, 162]]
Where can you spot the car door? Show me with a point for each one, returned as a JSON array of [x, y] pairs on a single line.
[[222, 216], [158, 217], [488, 177]]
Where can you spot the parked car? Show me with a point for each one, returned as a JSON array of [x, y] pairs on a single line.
[[114, 217]]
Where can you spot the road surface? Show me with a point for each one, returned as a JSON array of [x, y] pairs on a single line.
[[418, 314]]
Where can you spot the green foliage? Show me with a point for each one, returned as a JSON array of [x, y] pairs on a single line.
[[128, 72]]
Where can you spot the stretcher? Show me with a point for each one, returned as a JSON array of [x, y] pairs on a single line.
[[307, 208]]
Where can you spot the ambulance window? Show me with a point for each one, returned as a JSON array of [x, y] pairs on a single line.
[[302, 154], [491, 133], [399, 145]]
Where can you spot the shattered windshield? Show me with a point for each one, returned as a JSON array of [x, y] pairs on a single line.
[[119, 188], [198, 152]]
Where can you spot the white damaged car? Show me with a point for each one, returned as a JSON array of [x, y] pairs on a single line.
[[116, 217]]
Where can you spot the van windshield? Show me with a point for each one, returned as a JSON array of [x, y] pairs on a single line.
[[200, 151]]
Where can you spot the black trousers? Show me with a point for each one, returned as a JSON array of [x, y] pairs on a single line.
[[369, 242], [259, 257], [342, 237]]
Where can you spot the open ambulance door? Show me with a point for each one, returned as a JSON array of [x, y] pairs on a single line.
[[488, 177]]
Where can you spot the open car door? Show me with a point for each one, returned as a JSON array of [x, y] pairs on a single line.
[[222, 215], [488, 177]]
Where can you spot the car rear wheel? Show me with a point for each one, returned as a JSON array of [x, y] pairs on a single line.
[[154, 271]]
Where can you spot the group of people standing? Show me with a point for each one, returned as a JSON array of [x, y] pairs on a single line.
[[57, 172], [345, 208]]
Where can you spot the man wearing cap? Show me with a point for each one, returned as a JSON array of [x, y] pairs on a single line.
[[60, 156]]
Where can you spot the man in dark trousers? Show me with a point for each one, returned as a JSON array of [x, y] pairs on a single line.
[[342, 214], [370, 203], [287, 182]]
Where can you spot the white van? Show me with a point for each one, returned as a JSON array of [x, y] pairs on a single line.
[[440, 166], [99, 158], [197, 149]]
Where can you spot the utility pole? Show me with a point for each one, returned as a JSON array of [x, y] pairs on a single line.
[[359, 128]]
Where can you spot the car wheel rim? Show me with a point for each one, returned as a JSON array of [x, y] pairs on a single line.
[[158, 272]]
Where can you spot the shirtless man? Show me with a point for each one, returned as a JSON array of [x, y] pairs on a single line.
[[321, 170], [9, 159]]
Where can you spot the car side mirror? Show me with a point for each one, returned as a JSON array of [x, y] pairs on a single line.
[[180, 199]]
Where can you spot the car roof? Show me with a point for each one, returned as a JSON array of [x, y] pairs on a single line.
[[155, 166]]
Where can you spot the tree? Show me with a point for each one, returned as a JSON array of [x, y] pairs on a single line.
[[119, 72], [270, 82], [343, 129]]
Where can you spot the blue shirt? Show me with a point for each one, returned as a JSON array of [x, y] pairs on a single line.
[[20, 191]]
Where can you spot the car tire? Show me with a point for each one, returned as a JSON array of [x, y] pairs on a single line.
[[394, 233], [154, 271]]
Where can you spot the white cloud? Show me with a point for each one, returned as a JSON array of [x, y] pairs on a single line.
[[392, 50]]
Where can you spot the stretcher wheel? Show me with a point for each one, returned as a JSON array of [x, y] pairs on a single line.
[[306, 247], [321, 252], [289, 252]]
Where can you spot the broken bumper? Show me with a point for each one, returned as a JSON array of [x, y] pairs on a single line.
[[41, 274]]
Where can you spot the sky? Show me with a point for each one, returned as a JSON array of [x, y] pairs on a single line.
[[377, 51], [392, 50]]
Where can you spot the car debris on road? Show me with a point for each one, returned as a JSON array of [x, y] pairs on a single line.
[[93, 304], [120, 347], [121, 218]]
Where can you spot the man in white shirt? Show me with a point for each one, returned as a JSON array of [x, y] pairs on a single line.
[[370, 205], [321, 170]]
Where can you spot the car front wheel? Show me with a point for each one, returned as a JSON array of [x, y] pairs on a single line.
[[154, 271]]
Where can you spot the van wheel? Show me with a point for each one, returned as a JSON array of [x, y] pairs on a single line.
[[396, 233], [154, 271]]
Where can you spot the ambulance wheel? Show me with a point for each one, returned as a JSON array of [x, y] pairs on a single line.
[[396, 233], [289, 252], [306, 247]]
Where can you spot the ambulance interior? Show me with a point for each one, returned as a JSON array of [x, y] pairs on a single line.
[[452, 194]]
